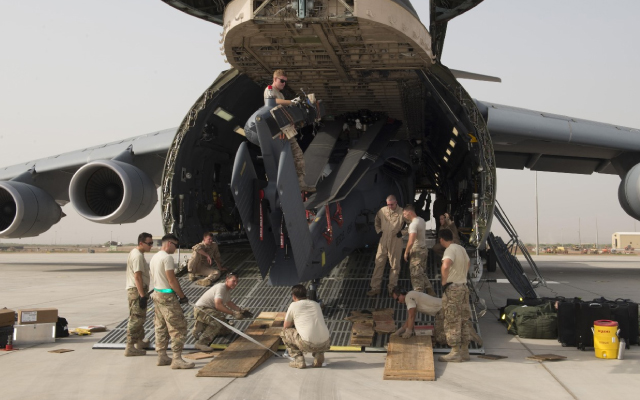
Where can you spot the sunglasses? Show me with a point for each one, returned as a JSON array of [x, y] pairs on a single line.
[[149, 243], [282, 80], [173, 243]]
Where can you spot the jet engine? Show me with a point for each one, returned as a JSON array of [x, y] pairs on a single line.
[[26, 210], [629, 192], [112, 192]]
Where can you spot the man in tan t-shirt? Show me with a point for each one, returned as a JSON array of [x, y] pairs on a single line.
[[274, 91], [455, 298], [201, 262], [168, 295], [416, 302], [215, 303], [137, 289], [304, 330]]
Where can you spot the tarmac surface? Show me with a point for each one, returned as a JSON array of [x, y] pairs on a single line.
[[88, 289]]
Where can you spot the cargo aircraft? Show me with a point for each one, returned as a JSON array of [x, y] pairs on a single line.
[[386, 117]]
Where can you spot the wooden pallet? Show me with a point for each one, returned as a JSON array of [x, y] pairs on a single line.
[[409, 359], [243, 356]]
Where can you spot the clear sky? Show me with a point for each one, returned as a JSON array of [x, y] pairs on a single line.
[[79, 73]]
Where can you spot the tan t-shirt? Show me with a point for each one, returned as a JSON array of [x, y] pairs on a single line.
[[309, 321], [160, 263], [458, 270], [275, 93], [419, 227], [218, 291], [136, 263], [423, 303]]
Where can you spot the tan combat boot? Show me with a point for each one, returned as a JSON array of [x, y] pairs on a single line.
[[179, 363], [318, 360], [473, 335], [298, 362], [464, 352], [131, 351], [373, 292], [454, 356], [203, 347], [204, 282], [142, 344], [163, 358]]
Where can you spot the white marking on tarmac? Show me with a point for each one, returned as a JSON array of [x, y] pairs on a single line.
[[507, 281]]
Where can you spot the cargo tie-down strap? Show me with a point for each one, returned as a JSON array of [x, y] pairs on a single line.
[[244, 335]]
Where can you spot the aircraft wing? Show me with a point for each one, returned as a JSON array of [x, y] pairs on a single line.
[[112, 183], [549, 142], [149, 151]]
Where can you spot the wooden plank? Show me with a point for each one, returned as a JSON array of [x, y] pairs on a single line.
[[199, 356], [268, 315], [385, 326], [409, 359], [546, 357], [241, 357]]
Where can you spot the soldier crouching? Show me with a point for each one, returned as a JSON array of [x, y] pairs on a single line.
[[202, 259]]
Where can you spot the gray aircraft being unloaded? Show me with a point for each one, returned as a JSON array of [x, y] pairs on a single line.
[[389, 119]]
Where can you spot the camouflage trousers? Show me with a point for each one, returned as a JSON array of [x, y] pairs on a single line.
[[203, 269], [438, 334], [417, 266], [298, 160], [137, 316], [455, 305], [207, 325], [169, 322], [297, 347]]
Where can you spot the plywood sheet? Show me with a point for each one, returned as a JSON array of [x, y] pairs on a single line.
[[241, 357], [199, 356], [409, 359]]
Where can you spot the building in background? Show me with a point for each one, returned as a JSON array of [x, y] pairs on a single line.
[[620, 240]]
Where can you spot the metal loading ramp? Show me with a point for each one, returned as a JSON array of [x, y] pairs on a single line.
[[343, 291]]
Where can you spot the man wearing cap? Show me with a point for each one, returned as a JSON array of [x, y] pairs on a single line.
[[388, 226], [274, 91], [455, 298], [202, 259], [215, 303], [168, 295], [137, 289], [416, 251]]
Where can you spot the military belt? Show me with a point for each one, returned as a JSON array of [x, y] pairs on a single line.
[[164, 290]]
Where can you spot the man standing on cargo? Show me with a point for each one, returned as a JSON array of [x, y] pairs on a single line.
[[168, 295], [416, 251], [455, 298], [201, 261], [274, 91], [388, 226], [137, 289], [310, 334], [215, 303]]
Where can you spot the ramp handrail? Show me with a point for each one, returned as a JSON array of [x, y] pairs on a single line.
[[515, 243]]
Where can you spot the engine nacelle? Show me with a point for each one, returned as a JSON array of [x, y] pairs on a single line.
[[26, 210], [112, 192], [629, 192]]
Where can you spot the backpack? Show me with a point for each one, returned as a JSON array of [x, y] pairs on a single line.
[[62, 329], [533, 322]]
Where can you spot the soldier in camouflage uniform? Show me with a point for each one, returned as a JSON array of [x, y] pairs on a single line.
[[416, 251], [215, 303], [274, 91], [137, 289], [168, 295], [304, 330], [455, 298], [201, 261]]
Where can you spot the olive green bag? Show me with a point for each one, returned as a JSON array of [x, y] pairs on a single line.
[[533, 322]]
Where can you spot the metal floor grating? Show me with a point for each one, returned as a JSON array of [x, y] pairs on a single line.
[[343, 291]]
